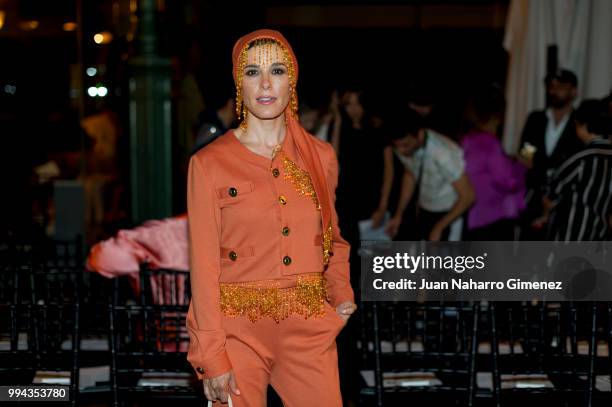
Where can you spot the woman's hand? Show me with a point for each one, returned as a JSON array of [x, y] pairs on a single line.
[[216, 388], [346, 309]]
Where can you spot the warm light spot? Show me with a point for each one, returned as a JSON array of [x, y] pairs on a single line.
[[104, 37], [2, 15], [29, 25], [69, 26]]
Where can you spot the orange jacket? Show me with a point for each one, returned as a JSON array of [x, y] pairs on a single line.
[[249, 222]]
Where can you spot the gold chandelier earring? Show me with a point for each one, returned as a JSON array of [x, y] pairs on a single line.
[[293, 104], [241, 110], [243, 124]]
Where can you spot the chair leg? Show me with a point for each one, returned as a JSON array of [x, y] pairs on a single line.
[[113, 348], [378, 376], [473, 355], [592, 355], [76, 346], [496, 379]]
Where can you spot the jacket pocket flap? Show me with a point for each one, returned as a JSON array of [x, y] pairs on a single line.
[[235, 190]]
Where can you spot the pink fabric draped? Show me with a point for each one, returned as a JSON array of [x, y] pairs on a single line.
[[160, 243]]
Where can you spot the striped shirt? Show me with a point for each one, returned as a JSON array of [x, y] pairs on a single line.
[[581, 189]]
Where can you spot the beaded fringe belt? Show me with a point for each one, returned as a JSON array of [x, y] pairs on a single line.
[[261, 299]]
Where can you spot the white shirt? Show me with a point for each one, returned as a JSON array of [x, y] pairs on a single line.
[[322, 132], [441, 162], [553, 131]]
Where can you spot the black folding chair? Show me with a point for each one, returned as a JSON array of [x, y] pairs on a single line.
[[17, 354], [545, 353], [149, 341], [55, 326], [603, 355], [39, 334], [419, 352]]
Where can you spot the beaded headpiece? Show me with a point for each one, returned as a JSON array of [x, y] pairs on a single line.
[[265, 50]]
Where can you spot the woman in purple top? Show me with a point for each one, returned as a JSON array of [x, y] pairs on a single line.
[[498, 180]]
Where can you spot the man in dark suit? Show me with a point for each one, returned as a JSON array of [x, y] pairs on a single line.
[[549, 138]]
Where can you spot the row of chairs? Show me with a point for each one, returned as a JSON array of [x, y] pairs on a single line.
[[501, 354], [457, 353], [46, 336]]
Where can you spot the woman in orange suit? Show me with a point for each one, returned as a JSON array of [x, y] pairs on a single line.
[[269, 269]]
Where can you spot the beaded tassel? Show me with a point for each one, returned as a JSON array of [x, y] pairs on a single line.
[[264, 299], [327, 245], [300, 179]]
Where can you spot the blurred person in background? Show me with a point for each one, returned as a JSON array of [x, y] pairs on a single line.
[[419, 98], [361, 194], [548, 140], [188, 95], [309, 118], [217, 118], [361, 166], [102, 169], [579, 193], [331, 121], [434, 170], [321, 119], [498, 180]]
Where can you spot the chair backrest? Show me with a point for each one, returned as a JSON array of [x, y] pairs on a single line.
[[421, 347], [153, 326], [164, 287], [553, 346], [17, 353], [148, 334], [40, 331]]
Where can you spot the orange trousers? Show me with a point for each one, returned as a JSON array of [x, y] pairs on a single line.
[[297, 356]]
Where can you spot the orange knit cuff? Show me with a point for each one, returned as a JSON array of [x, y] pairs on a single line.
[[214, 367]]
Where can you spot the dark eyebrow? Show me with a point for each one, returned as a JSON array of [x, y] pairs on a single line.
[[276, 64]]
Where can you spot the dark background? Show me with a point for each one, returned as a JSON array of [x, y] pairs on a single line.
[[384, 48]]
